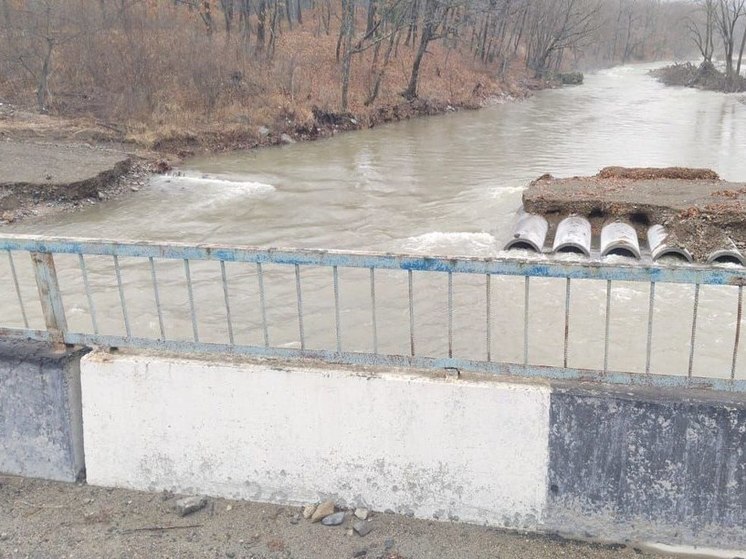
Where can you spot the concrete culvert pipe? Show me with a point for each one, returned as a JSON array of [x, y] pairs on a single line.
[[573, 235], [529, 233], [660, 247], [619, 239], [728, 254]]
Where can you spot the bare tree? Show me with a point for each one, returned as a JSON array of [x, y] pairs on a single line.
[[727, 14], [702, 28], [42, 28], [556, 25]]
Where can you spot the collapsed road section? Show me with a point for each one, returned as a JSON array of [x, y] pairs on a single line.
[[688, 214]]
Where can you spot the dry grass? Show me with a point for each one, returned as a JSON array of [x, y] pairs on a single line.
[[163, 83]]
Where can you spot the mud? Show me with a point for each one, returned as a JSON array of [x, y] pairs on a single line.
[[700, 211]]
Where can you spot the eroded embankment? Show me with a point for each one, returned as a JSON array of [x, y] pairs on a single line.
[[36, 177], [699, 210]]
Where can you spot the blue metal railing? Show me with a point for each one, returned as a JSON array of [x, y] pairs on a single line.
[[43, 250]]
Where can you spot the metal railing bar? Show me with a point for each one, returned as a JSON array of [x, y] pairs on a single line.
[[607, 330], [89, 295], [450, 314], [50, 294], [526, 302], [694, 330], [228, 319], [262, 302], [337, 321], [373, 309], [737, 341], [488, 328], [122, 301], [688, 274], [382, 360], [192, 308], [410, 280], [567, 321], [18, 289], [157, 296], [649, 342], [300, 307]]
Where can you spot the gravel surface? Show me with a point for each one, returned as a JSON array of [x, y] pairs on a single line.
[[38, 179], [47, 520], [46, 164]]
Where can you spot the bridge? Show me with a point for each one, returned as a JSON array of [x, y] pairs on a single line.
[[201, 348]]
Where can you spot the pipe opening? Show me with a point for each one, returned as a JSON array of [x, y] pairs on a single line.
[[727, 259], [522, 244], [572, 249], [621, 251], [674, 255]]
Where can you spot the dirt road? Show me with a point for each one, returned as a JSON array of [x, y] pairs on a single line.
[[46, 520]]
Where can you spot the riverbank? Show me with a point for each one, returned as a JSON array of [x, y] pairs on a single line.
[[34, 141]]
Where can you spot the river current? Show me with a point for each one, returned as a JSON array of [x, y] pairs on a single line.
[[444, 185]]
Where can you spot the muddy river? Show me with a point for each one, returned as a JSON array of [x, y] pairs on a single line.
[[447, 185]]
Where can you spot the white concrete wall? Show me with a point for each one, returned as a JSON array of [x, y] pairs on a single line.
[[413, 443]]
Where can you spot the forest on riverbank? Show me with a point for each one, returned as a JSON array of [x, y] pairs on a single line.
[[246, 72]]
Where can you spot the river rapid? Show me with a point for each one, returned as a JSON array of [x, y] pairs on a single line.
[[444, 185]]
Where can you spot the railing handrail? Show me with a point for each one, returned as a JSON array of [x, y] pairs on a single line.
[[43, 249], [539, 266]]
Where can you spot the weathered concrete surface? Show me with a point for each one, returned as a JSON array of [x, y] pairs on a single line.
[[414, 443], [648, 467], [699, 210], [40, 419], [55, 172]]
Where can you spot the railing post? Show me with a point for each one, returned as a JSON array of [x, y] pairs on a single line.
[[50, 295]]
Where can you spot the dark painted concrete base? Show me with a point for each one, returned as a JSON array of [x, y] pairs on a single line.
[[41, 431], [666, 468]]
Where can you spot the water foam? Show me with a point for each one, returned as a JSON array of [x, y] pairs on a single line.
[[451, 243], [226, 185]]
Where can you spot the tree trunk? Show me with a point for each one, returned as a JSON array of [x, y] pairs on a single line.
[[428, 31], [42, 91], [261, 27], [348, 21], [740, 54]]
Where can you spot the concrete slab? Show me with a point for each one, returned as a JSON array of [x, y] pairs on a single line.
[[415, 443], [41, 433], [662, 468]]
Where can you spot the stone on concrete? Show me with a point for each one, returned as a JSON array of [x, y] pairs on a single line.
[[41, 433], [362, 528], [308, 511], [188, 505], [322, 511], [362, 514], [334, 519]]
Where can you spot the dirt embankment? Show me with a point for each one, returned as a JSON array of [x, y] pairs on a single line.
[[40, 178], [699, 210]]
